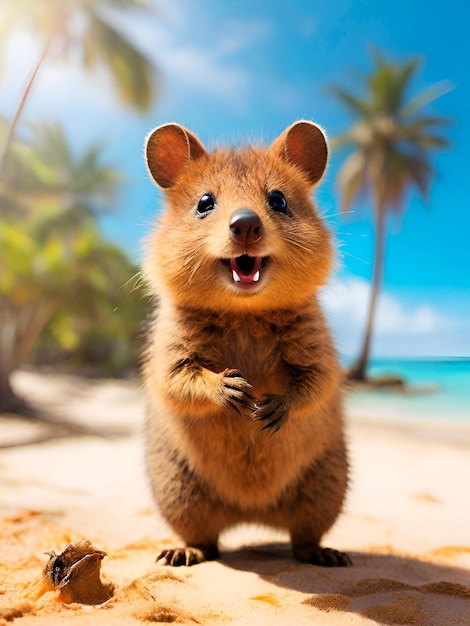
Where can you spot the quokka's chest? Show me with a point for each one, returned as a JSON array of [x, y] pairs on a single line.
[[259, 357]]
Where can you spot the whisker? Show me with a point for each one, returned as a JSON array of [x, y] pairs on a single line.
[[297, 244], [194, 266], [139, 281], [353, 256], [330, 215]]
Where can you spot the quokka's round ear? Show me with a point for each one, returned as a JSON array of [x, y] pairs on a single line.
[[168, 151], [304, 144]]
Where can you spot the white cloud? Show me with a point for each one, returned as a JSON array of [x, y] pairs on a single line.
[[209, 65], [205, 72], [400, 329], [203, 59], [237, 35], [393, 318]]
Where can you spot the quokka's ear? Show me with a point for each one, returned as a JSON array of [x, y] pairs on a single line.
[[304, 144], [168, 151]]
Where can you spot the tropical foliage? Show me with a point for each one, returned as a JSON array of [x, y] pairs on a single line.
[[65, 293], [390, 143], [62, 288]]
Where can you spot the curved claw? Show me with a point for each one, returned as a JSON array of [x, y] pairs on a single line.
[[274, 425], [237, 392], [180, 557], [177, 557], [326, 557], [271, 411]]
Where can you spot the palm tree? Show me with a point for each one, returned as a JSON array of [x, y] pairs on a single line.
[[46, 178], [391, 142], [69, 296], [65, 26], [50, 258]]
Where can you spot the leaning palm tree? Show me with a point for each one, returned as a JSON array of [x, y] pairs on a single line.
[[49, 241], [66, 27], [391, 142]]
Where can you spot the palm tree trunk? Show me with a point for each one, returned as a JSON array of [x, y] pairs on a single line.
[[358, 371], [9, 402], [21, 106]]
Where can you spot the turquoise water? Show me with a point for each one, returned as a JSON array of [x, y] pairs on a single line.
[[439, 389]]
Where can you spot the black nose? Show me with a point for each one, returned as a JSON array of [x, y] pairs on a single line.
[[245, 227]]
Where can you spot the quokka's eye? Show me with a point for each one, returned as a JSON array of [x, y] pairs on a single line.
[[205, 205], [277, 202]]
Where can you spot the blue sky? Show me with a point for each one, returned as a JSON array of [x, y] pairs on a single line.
[[245, 70]]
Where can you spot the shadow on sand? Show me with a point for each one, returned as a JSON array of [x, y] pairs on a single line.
[[42, 427], [387, 588]]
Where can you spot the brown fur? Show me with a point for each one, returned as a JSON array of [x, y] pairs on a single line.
[[244, 402]]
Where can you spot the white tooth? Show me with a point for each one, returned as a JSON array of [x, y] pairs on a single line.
[[236, 277], [256, 277]]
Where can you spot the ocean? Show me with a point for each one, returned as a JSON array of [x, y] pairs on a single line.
[[437, 390]]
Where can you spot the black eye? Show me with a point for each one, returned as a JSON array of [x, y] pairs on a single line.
[[277, 202], [205, 205]]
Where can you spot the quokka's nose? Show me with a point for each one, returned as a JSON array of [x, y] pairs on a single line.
[[245, 227]]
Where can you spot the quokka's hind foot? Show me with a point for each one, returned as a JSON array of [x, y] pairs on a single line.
[[187, 556], [326, 557]]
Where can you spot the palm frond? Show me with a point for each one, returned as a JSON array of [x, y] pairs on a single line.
[[128, 5], [352, 102], [46, 178], [425, 97], [431, 141], [389, 83], [131, 71], [352, 179], [344, 140], [429, 121]]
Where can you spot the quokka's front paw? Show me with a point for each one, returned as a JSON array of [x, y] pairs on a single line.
[[271, 411], [236, 392]]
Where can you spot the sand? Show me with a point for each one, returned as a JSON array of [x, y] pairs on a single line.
[[80, 476]]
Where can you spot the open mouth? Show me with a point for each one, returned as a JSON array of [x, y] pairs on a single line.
[[246, 270]]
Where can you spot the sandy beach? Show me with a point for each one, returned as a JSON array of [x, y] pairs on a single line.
[[79, 475]]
